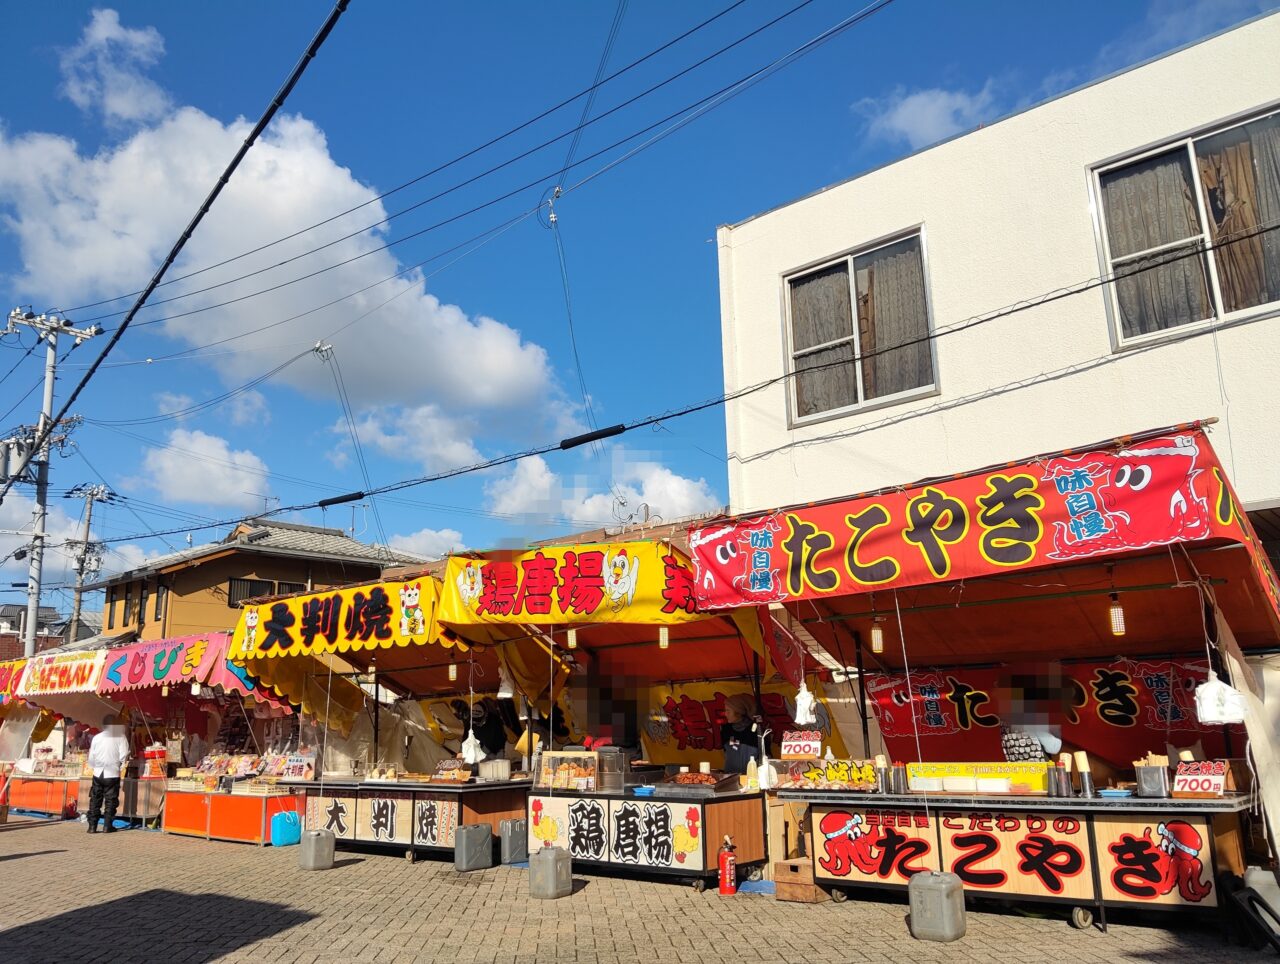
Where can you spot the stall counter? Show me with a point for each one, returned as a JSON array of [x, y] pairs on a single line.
[[39, 793], [418, 816], [215, 815], [666, 833], [1131, 851], [141, 798]]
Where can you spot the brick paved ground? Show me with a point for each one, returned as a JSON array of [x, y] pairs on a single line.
[[142, 896]]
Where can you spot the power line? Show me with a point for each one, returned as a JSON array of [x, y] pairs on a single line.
[[874, 7], [1148, 264], [202, 406], [436, 170], [276, 103]]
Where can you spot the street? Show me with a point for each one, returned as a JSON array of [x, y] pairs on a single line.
[[147, 896]]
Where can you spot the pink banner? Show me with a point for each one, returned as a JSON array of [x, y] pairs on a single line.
[[167, 662]]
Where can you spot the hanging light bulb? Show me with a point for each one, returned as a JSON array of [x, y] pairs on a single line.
[[877, 638], [164, 689], [664, 637], [572, 638], [453, 671], [1117, 616], [195, 689]]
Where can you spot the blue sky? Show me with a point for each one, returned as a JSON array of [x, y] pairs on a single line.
[[123, 116]]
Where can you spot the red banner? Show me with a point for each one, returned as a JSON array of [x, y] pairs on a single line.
[[1116, 711], [1045, 511]]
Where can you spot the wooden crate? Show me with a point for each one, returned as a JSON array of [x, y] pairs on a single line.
[[793, 881]]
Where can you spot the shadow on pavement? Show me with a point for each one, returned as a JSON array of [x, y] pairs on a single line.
[[151, 925], [34, 853]]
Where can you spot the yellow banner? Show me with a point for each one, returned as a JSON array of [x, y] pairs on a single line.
[[618, 582], [370, 616], [683, 725]]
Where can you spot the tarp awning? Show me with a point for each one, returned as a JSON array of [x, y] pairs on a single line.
[[167, 662], [1110, 500], [370, 617]]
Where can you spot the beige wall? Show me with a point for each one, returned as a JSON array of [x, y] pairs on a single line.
[[197, 600], [1006, 214]]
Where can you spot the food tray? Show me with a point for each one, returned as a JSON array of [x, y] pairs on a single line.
[[727, 783]]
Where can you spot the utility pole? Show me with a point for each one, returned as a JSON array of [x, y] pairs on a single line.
[[88, 556], [47, 327]]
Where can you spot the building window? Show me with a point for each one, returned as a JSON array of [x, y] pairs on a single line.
[[238, 590], [111, 608], [1164, 212], [859, 329], [289, 588], [126, 617], [161, 592], [142, 604]]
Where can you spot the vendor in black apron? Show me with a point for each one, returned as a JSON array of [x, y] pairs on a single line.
[[740, 739]]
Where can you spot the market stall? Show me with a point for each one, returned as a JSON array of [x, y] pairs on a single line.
[[649, 679], [235, 797], [340, 655], [64, 685], [986, 612], [184, 699]]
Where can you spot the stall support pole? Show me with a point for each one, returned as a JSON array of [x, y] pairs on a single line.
[[862, 697], [377, 717]]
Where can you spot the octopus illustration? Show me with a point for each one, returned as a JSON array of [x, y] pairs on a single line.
[[1144, 495], [846, 843], [1179, 863]]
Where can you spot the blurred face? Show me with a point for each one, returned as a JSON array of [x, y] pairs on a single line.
[[732, 713]]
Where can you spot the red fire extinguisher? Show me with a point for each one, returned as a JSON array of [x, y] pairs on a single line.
[[728, 868]]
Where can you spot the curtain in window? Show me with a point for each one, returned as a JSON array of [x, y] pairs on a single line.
[[1228, 179], [1147, 205], [821, 312], [1265, 135], [893, 320]]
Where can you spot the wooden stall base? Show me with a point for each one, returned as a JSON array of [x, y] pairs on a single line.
[[492, 808], [740, 820], [793, 881]]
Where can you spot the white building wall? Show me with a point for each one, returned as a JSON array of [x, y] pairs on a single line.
[[1006, 215]]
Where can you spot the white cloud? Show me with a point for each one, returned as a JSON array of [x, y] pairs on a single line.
[[15, 514], [537, 494], [918, 118], [922, 117], [168, 402], [432, 543], [103, 71], [424, 434], [1171, 23], [91, 226], [531, 490], [249, 408], [204, 469], [122, 558]]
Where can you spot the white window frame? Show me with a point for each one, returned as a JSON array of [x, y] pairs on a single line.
[[794, 418], [1203, 242]]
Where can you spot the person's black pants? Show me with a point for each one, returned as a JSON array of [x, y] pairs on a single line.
[[104, 797]]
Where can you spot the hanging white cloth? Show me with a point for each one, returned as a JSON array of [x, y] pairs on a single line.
[[1216, 702]]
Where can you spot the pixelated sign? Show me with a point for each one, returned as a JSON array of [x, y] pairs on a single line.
[[1116, 711]]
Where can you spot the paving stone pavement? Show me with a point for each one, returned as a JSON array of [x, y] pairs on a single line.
[[144, 896]]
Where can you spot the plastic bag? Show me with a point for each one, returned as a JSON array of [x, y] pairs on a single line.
[[472, 751], [805, 715], [1216, 702]]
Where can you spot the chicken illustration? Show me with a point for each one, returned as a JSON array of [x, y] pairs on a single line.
[[684, 839], [469, 584], [621, 576], [546, 829]]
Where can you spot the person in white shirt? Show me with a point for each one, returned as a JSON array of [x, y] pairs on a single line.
[[108, 753]]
